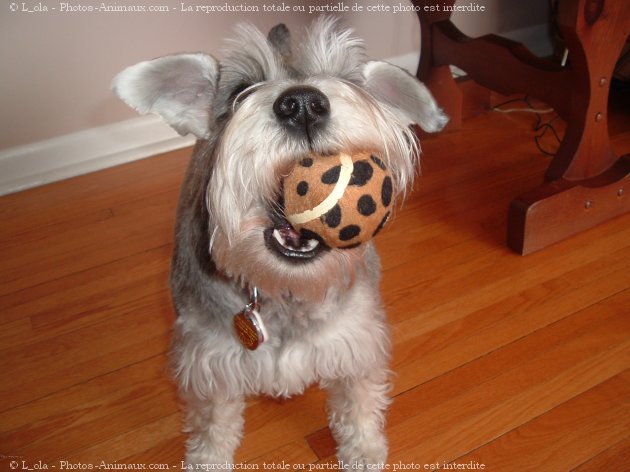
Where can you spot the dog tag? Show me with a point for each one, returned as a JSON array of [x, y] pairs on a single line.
[[249, 327]]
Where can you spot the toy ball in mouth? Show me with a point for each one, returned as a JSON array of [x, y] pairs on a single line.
[[343, 199]]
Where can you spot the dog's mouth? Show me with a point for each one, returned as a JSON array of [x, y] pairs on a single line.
[[285, 241]]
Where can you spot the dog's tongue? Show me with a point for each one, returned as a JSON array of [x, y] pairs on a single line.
[[289, 235], [294, 243]]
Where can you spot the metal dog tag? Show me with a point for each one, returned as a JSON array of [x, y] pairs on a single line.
[[250, 328]]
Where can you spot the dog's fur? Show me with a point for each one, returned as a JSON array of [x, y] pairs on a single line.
[[323, 312]]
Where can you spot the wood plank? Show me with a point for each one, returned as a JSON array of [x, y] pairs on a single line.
[[616, 457], [271, 425], [168, 449], [506, 401], [132, 442], [453, 341], [481, 279], [537, 345], [129, 231], [289, 457], [91, 412], [323, 443], [573, 432], [84, 354], [82, 298]]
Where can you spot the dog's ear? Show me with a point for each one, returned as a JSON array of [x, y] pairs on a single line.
[[411, 99], [179, 88], [280, 38]]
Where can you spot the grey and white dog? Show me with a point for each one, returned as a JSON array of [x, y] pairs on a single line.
[[255, 114]]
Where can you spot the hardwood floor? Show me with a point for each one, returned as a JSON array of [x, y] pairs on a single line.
[[501, 361]]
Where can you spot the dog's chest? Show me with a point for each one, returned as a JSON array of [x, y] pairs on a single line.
[[332, 342]]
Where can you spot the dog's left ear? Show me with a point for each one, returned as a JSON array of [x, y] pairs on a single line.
[[180, 88], [411, 99]]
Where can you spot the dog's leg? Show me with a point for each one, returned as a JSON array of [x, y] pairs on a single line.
[[215, 428], [357, 419]]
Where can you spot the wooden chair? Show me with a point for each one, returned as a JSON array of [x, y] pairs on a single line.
[[586, 183]]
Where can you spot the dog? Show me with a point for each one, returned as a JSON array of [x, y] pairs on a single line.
[[314, 313]]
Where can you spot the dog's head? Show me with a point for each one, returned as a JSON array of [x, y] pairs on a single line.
[[260, 110]]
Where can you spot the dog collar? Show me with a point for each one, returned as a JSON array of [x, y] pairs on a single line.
[[248, 324]]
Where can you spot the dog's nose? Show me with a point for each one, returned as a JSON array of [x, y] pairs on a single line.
[[302, 109]]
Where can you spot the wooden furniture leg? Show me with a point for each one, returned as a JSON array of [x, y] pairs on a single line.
[[586, 183]]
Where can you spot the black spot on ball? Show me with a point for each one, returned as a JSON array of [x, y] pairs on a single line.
[[381, 224], [348, 232], [361, 173], [331, 176], [378, 162], [366, 205], [302, 188], [333, 217], [306, 162], [387, 191]]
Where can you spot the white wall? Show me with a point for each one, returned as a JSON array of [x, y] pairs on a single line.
[[61, 65], [57, 66]]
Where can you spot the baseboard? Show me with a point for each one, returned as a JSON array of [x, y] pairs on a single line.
[[86, 151]]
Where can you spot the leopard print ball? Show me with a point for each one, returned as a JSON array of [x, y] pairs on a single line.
[[344, 199]]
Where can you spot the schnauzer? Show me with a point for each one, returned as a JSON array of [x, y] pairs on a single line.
[[307, 313]]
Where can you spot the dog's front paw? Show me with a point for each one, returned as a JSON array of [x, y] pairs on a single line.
[[355, 455]]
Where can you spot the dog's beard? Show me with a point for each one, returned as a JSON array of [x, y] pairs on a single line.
[[248, 260], [254, 153]]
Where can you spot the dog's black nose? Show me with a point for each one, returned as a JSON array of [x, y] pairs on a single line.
[[302, 109]]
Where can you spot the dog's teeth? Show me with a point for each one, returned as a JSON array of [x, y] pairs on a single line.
[[310, 245], [278, 236], [305, 246]]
